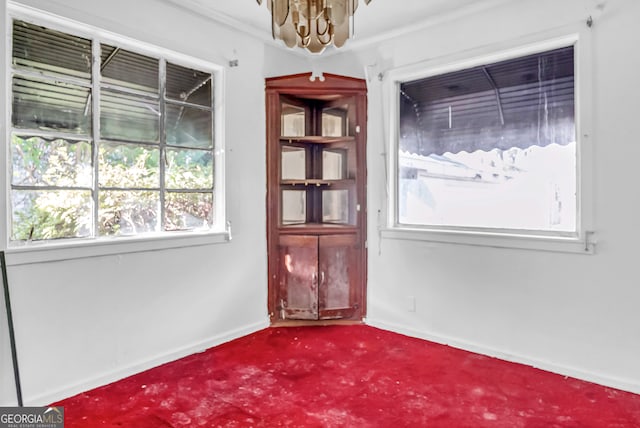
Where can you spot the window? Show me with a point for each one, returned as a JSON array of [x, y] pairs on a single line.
[[109, 142], [489, 148]]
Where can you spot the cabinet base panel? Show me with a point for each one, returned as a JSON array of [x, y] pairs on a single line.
[[319, 323]]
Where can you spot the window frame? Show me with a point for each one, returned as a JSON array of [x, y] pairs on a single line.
[[24, 252], [583, 240]]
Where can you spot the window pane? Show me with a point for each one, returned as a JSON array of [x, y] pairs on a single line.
[[41, 49], [44, 162], [189, 169], [129, 69], [128, 165], [50, 105], [493, 146], [188, 211], [50, 214], [151, 147], [530, 189], [129, 118], [188, 85], [515, 103], [188, 127], [128, 212]]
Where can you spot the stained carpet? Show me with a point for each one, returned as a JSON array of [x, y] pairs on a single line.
[[348, 376]]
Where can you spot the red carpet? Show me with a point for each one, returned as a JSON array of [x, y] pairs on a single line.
[[348, 376]]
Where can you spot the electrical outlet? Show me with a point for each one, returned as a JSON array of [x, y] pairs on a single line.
[[411, 303]]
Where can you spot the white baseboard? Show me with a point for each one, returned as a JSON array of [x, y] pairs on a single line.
[[140, 366], [548, 366]]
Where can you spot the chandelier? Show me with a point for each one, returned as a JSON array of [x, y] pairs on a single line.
[[312, 24]]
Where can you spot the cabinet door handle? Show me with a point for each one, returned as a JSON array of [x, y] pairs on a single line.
[[314, 280], [283, 312], [321, 277]]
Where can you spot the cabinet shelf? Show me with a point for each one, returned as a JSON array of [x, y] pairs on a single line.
[[315, 139], [316, 182], [319, 228]]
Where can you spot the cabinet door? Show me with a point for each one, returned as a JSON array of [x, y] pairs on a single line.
[[298, 274], [338, 264]]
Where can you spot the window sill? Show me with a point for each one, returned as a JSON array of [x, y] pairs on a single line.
[[497, 240], [37, 252]]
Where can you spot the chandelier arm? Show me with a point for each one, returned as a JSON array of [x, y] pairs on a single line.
[[327, 27], [305, 41], [307, 34], [273, 24], [351, 5], [323, 43]]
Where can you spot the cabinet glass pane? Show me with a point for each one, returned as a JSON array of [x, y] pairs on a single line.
[[334, 164], [293, 163], [335, 206], [292, 121], [334, 121], [294, 206]]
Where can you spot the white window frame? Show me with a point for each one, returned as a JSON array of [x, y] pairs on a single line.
[[72, 248], [583, 240]]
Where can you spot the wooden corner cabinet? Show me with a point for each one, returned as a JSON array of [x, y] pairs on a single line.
[[316, 198]]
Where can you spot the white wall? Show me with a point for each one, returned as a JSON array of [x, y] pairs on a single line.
[[89, 321], [280, 62], [570, 313]]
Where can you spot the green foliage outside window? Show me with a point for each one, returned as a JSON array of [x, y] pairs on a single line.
[[129, 193]]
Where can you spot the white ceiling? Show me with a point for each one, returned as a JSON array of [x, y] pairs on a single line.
[[380, 19]]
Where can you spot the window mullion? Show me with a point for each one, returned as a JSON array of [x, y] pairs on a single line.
[[163, 139], [190, 105], [217, 195], [95, 130], [44, 188], [51, 135], [187, 190], [51, 76]]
